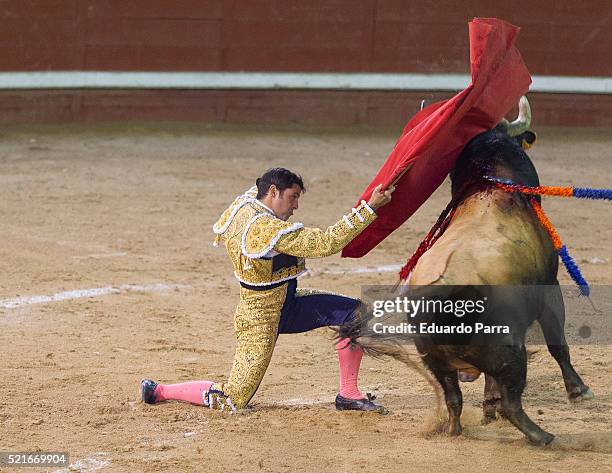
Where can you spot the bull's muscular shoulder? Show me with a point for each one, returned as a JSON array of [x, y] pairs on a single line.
[[484, 245], [432, 266], [455, 261]]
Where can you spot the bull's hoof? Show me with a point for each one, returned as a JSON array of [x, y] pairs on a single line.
[[585, 395], [542, 439], [453, 429]]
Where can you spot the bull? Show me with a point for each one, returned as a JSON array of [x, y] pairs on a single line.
[[493, 238]]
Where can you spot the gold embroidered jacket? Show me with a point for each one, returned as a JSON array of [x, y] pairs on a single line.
[[258, 242]]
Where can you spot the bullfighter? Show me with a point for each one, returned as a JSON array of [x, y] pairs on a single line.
[[268, 254]]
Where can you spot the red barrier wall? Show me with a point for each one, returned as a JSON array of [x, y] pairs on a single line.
[[557, 38], [345, 108]]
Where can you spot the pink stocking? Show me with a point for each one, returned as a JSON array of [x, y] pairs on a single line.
[[349, 359], [188, 392]]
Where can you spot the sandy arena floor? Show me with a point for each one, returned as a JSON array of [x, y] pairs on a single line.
[[128, 210]]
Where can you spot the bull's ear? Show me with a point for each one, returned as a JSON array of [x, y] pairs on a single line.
[[528, 139]]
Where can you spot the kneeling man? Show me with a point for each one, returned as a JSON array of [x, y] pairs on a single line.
[[268, 254]]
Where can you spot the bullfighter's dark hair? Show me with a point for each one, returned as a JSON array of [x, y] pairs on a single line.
[[486, 155], [282, 178]]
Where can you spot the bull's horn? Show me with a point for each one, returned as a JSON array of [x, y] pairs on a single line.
[[521, 124]]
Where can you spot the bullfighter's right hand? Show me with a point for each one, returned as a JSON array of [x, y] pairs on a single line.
[[380, 197]]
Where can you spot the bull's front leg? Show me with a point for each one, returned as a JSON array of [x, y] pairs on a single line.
[[511, 379], [552, 321]]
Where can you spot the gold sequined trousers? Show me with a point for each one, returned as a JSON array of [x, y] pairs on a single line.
[[256, 326]]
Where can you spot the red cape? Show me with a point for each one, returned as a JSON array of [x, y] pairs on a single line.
[[433, 139]]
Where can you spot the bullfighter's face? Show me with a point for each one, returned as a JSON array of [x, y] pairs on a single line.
[[283, 203]]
